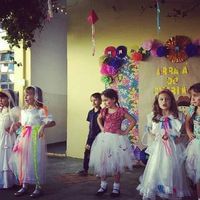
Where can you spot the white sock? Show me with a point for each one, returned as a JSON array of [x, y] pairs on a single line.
[[23, 188], [38, 187], [25, 185], [103, 186], [116, 187]]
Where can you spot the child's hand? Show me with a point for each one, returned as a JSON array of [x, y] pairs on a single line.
[[13, 128], [87, 146], [165, 137], [121, 132], [191, 136], [7, 130], [102, 130], [41, 131]]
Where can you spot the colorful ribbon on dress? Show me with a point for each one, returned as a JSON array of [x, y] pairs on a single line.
[[35, 135], [19, 148], [166, 125]]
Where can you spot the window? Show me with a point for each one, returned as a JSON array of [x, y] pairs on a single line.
[[7, 70]]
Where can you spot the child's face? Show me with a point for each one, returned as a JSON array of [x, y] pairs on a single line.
[[95, 102], [164, 101], [29, 97], [195, 98], [109, 103], [4, 102]]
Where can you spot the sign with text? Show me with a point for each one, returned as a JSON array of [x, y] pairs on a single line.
[[156, 74]]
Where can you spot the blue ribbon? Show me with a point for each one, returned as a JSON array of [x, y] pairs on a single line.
[[169, 125], [158, 16]]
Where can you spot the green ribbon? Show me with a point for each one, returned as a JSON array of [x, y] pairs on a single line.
[[35, 137]]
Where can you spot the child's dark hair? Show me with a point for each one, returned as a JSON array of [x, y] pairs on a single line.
[[3, 95], [111, 94], [96, 95], [195, 88], [157, 111], [39, 98]]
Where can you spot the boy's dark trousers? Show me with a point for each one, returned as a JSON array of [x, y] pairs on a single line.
[[86, 159]]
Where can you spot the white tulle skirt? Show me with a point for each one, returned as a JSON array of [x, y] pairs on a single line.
[[164, 173], [192, 163], [7, 178], [110, 154]]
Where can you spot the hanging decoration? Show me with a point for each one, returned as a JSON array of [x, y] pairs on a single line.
[[177, 49], [50, 11], [185, 8], [158, 16], [92, 19]]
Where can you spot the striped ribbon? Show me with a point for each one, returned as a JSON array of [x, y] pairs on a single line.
[[158, 16]]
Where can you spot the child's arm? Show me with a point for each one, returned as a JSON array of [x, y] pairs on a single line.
[[187, 127], [100, 122], [47, 125], [14, 127], [131, 125], [15, 115]]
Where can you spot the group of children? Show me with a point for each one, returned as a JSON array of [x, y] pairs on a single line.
[[109, 151], [22, 140]]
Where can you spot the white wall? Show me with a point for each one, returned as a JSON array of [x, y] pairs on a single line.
[[48, 71]]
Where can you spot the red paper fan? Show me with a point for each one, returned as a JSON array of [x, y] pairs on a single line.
[[176, 48]]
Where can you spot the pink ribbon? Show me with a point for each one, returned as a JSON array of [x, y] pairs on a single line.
[[166, 126], [167, 147], [25, 131]]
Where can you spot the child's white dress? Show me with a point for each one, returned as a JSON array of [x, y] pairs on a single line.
[[192, 163], [7, 178], [163, 175], [111, 152], [29, 152]]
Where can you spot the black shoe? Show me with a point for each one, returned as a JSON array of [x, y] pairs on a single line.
[[82, 173], [37, 193], [115, 194], [21, 192], [100, 193]]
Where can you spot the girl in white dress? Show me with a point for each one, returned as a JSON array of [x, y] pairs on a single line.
[[8, 115], [111, 151], [193, 131], [163, 175], [29, 152]]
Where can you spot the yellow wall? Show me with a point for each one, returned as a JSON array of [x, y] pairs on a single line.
[[125, 26], [22, 73]]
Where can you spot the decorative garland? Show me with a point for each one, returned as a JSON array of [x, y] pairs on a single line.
[[177, 49]]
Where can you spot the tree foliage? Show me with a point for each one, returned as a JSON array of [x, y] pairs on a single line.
[[20, 19]]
